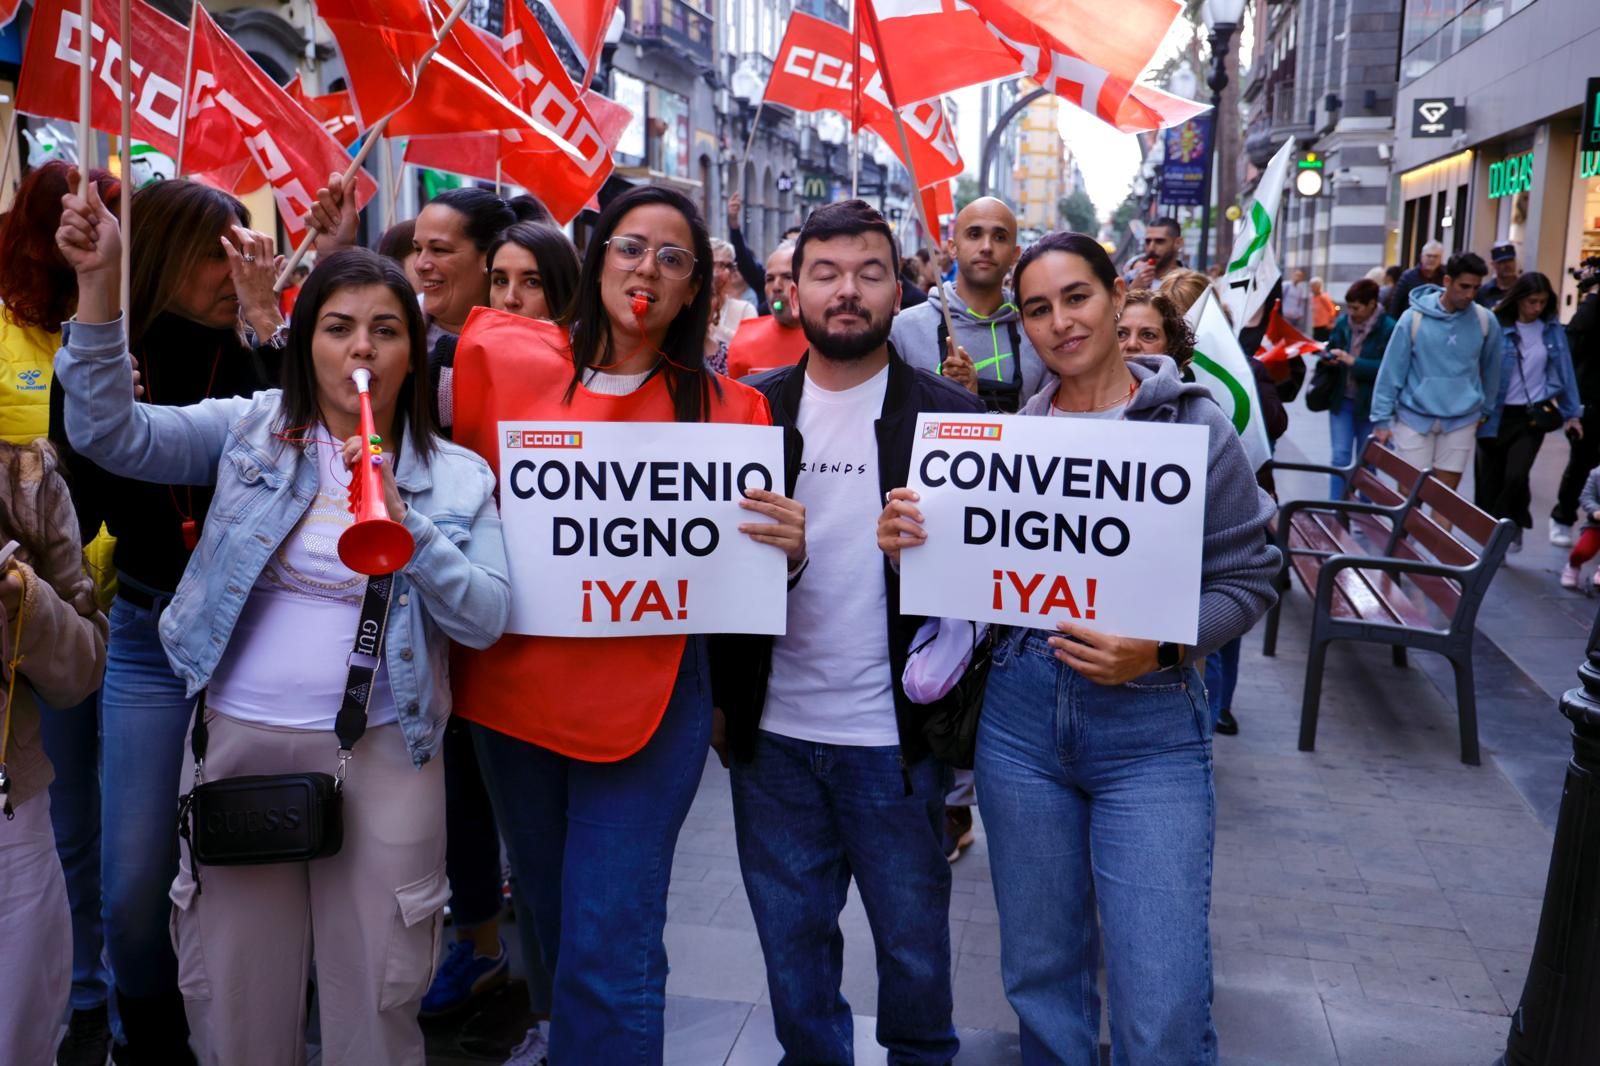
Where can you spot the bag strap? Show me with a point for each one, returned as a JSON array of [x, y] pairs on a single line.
[[365, 655]]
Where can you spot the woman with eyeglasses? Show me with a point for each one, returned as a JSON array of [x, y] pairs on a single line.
[[593, 748]]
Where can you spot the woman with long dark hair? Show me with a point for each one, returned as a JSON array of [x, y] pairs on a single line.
[[593, 748], [1094, 750], [1538, 393], [265, 592], [533, 271], [198, 274]]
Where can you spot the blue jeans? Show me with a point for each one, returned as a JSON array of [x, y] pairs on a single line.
[[809, 817], [72, 740], [1222, 677], [1346, 434], [144, 718], [1100, 794], [591, 849]]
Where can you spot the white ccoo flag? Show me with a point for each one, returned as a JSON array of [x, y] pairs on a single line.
[[1254, 269], [1219, 364]]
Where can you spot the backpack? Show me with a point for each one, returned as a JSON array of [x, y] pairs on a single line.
[[1485, 321]]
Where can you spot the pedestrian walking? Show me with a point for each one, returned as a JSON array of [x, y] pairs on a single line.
[[1503, 261], [1427, 272], [1440, 373], [1588, 545], [266, 590], [1323, 311], [1538, 395], [832, 780], [1356, 344], [1583, 340], [1295, 306], [1391, 277], [1094, 751]]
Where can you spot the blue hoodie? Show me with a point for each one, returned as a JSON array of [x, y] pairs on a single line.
[[1450, 374]]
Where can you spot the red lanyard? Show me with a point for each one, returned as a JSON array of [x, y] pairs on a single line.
[[187, 526]]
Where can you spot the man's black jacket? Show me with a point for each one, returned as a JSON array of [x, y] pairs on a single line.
[[741, 665]]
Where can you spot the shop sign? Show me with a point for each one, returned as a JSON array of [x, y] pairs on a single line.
[[1589, 166], [815, 187], [1589, 134], [1511, 176], [1433, 118]]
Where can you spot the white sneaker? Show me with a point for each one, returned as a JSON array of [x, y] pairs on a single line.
[[1569, 577], [1560, 535], [1595, 581], [1516, 543], [533, 1051]]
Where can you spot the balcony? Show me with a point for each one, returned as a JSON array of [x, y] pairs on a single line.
[[1275, 121], [681, 26]]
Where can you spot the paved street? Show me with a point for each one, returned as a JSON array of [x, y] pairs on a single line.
[[1375, 902]]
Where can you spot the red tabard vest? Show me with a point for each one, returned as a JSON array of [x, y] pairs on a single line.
[[761, 344], [599, 699]]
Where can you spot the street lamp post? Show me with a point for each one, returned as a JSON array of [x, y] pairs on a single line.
[[1558, 1021], [1222, 16]]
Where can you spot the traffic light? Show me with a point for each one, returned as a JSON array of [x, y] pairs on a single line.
[[1308, 174]]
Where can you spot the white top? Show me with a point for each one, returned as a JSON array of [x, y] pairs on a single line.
[[1527, 384], [1110, 414], [286, 663], [608, 384], [831, 681], [734, 311]]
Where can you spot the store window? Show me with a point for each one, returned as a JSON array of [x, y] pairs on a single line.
[[630, 94], [669, 132], [1583, 239]]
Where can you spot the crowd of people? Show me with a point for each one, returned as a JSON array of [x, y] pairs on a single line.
[[180, 472]]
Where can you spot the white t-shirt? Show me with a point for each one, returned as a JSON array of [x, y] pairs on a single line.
[[1527, 384], [286, 662], [831, 682]]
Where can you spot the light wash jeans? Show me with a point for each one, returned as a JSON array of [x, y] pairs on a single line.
[[1100, 794]]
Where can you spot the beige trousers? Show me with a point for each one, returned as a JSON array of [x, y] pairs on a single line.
[[371, 915], [35, 937]]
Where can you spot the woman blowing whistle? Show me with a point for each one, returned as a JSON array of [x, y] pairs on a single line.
[[263, 622]]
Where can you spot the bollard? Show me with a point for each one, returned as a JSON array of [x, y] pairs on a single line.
[[1558, 1021]]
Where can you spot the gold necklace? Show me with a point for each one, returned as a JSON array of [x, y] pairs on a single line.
[[1133, 387]]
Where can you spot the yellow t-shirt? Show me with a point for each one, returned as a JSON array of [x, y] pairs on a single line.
[[27, 360]]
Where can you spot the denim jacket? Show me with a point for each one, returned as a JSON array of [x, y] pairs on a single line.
[[454, 588], [1560, 380]]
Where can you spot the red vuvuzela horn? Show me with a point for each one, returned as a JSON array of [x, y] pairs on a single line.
[[376, 544]]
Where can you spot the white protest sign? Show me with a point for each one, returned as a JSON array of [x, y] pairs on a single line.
[[1032, 521], [632, 528]]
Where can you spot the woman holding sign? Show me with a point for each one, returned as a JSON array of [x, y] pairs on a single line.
[[305, 666], [593, 747], [1094, 750]]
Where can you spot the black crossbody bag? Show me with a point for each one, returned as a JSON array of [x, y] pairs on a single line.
[[271, 818]]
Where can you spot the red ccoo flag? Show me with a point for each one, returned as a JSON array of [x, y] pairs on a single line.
[[586, 22], [8, 11], [929, 47], [336, 111]]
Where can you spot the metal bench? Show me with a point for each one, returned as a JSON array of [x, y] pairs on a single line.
[[1421, 588]]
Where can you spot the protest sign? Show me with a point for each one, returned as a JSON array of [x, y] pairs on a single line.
[[632, 528], [1032, 521]]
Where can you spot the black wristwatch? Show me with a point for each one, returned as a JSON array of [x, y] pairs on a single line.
[[1168, 654]]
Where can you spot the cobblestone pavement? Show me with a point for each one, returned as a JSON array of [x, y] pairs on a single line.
[[1374, 902]]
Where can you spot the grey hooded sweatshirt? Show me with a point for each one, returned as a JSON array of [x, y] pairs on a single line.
[[1237, 562], [999, 347]]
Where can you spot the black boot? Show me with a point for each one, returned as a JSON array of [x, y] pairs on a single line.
[[88, 1039], [156, 1031], [1227, 724]]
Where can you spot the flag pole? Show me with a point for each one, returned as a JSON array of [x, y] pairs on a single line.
[[85, 89], [373, 135], [855, 101], [125, 29], [391, 188], [188, 79], [750, 142], [905, 154]]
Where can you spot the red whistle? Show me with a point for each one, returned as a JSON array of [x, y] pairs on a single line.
[[641, 305]]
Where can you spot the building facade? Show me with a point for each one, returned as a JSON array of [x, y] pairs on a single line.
[[1040, 155], [1322, 72], [1506, 164]]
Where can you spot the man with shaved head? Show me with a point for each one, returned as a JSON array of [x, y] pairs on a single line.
[[774, 339], [989, 353]]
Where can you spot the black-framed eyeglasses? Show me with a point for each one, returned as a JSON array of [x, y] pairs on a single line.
[[628, 253]]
